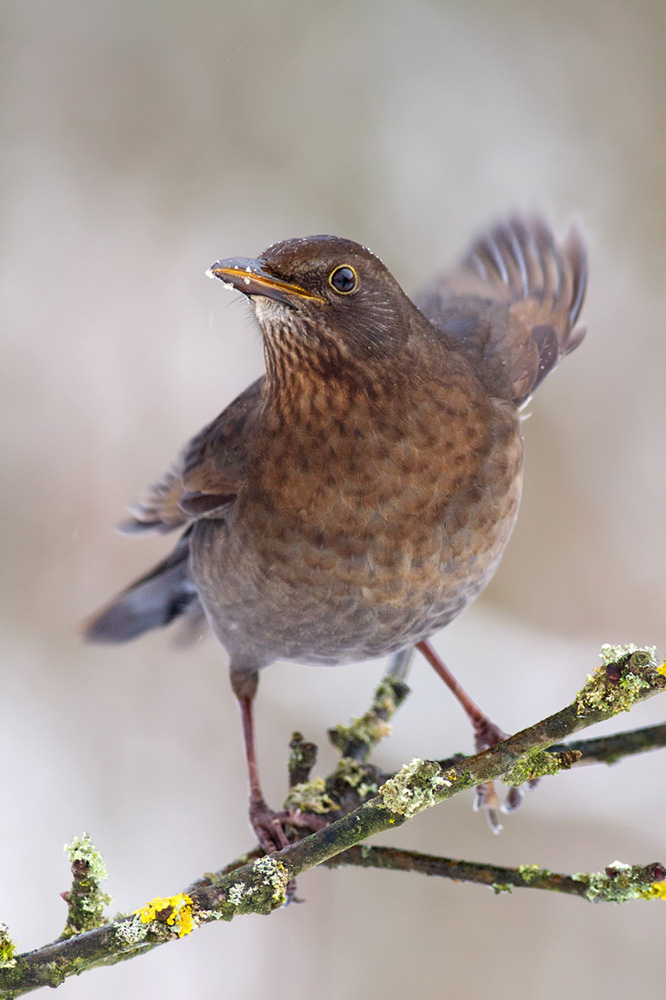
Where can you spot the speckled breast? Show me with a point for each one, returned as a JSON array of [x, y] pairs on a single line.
[[376, 535]]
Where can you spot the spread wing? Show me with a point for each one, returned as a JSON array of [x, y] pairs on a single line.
[[205, 478], [512, 304]]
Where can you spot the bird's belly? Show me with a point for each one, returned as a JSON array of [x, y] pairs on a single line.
[[366, 576]]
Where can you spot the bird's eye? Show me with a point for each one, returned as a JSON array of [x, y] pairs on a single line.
[[343, 280]]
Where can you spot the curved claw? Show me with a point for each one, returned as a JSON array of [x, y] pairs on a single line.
[[488, 800]]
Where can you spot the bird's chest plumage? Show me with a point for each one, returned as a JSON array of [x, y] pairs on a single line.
[[367, 521]]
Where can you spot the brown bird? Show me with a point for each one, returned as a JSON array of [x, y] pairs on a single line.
[[355, 498]]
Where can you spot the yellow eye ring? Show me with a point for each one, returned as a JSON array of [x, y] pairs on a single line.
[[343, 280]]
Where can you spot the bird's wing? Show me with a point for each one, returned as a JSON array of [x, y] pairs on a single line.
[[205, 478], [512, 304]]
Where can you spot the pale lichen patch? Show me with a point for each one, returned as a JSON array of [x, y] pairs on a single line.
[[310, 796], [611, 654], [85, 899], [272, 873], [82, 849], [239, 892], [354, 774], [414, 787], [131, 932]]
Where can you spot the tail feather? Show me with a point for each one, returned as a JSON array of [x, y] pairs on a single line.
[[165, 593]]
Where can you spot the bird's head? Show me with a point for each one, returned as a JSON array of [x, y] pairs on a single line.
[[322, 301]]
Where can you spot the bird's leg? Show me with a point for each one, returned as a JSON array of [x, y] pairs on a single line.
[[401, 662], [266, 823], [486, 734]]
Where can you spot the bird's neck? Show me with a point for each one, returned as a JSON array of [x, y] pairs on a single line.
[[310, 373]]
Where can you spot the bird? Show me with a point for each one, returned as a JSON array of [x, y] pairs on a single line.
[[355, 498]]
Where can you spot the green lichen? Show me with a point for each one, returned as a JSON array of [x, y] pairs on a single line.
[[7, 948], [300, 752], [82, 849], [367, 730], [532, 873], [617, 884], [351, 771], [602, 692], [536, 765], [310, 796], [413, 788], [499, 887], [372, 727], [85, 899], [354, 774]]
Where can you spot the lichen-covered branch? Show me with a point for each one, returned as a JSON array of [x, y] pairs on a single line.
[[85, 900], [258, 884], [618, 883], [614, 748]]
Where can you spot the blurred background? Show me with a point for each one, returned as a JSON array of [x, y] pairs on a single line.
[[141, 141]]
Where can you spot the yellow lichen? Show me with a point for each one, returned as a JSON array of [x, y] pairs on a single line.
[[174, 911], [620, 883], [656, 891]]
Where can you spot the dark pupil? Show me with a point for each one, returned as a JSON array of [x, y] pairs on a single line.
[[343, 279]]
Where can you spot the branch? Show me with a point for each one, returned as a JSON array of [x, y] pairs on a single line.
[[257, 884], [617, 883], [611, 749]]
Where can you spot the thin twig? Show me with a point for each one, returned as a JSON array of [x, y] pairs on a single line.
[[611, 749]]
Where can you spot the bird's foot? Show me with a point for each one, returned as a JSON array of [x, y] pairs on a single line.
[[268, 826], [487, 799], [306, 822], [486, 735], [271, 827]]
